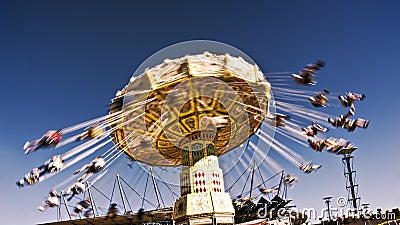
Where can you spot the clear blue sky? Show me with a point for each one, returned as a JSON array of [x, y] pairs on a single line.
[[62, 61]]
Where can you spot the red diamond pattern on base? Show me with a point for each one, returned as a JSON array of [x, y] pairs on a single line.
[[216, 181], [199, 181]]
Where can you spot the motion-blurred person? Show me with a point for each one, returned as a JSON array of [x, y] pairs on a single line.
[[348, 99], [55, 164], [91, 132], [313, 129], [308, 167], [351, 125], [30, 178], [338, 121], [50, 139], [95, 166], [75, 189], [306, 76], [82, 205], [290, 180], [320, 99], [317, 145], [51, 201], [266, 191], [334, 144]]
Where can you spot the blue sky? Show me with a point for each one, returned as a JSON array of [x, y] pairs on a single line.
[[62, 61]]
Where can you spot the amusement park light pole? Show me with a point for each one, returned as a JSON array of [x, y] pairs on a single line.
[[351, 186], [328, 204]]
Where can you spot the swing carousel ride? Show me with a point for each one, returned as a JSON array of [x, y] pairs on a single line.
[[195, 123]]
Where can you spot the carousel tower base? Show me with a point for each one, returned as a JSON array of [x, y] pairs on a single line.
[[203, 198]]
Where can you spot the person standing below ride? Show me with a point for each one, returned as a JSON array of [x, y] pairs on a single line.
[[95, 166], [112, 211], [50, 139]]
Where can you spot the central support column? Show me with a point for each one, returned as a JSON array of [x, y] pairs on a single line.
[[203, 198]]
